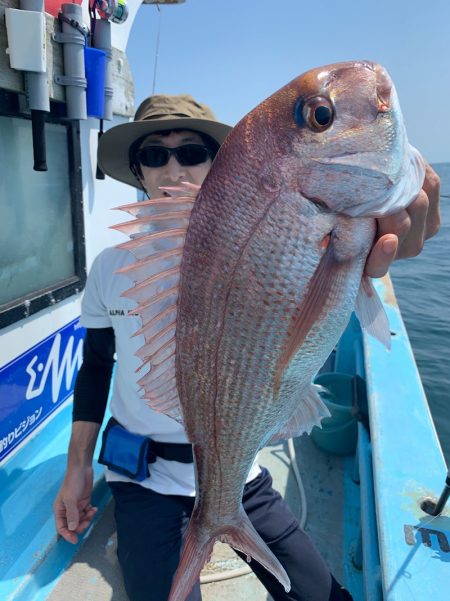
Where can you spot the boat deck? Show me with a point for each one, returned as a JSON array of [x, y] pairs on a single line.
[[94, 574]]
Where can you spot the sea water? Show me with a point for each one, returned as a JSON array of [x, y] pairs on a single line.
[[422, 287]]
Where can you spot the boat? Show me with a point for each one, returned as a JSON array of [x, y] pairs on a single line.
[[365, 487]]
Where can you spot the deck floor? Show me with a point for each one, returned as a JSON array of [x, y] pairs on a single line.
[[94, 574]]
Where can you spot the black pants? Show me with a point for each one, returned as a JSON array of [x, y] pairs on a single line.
[[150, 527]]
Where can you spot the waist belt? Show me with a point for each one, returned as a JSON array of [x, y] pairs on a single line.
[[171, 451], [129, 454]]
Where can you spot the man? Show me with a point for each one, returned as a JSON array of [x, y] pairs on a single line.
[[174, 139]]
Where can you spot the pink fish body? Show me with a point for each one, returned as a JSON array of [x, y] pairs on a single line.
[[244, 297]]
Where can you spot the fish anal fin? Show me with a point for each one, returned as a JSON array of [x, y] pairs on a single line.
[[310, 412], [371, 314]]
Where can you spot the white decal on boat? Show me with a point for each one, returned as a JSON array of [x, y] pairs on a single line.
[[67, 365]]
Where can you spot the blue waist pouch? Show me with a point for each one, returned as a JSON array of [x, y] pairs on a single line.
[[124, 452]]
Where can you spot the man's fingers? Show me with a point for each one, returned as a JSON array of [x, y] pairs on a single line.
[[411, 244], [68, 535], [72, 515], [86, 518], [61, 524], [85, 522], [432, 188], [381, 256], [410, 226]]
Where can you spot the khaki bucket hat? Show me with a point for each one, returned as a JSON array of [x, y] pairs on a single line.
[[156, 113]]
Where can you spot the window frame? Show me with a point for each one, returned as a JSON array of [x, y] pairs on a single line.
[[29, 304]]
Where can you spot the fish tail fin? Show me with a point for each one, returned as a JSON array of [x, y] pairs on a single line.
[[244, 538], [198, 547]]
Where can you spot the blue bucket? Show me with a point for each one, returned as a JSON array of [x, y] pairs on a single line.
[[95, 67], [340, 431]]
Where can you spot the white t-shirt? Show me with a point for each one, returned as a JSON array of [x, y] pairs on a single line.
[[103, 307]]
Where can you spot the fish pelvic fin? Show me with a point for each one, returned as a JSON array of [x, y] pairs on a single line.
[[198, 546], [157, 234], [310, 412], [371, 314]]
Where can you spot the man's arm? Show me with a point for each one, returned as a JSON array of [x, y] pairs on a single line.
[[403, 234], [72, 508]]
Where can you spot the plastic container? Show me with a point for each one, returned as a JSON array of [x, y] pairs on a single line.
[[95, 65], [339, 432]]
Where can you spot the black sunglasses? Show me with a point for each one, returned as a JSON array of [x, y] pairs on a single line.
[[187, 155]]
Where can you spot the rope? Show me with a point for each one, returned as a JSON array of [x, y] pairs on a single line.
[[157, 48]]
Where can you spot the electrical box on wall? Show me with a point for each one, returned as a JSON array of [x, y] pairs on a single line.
[[26, 40]]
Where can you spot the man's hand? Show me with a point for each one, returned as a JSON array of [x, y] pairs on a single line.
[[403, 234], [72, 508]]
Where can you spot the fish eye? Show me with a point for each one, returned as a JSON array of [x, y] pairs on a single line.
[[317, 113]]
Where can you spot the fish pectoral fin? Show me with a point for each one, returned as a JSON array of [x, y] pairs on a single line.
[[318, 292], [157, 239], [371, 314], [310, 412]]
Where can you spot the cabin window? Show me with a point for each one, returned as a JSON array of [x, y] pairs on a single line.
[[42, 257]]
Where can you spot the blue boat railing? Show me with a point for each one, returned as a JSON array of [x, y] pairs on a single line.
[[408, 466]]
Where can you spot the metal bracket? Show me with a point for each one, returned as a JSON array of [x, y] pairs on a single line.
[[67, 80], [67, 38]]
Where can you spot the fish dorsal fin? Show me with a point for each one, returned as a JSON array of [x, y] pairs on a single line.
[[157, 238], [311, 410], [371, 314]]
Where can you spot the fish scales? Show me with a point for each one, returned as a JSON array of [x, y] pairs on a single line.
[[246, 342], [271, 268]]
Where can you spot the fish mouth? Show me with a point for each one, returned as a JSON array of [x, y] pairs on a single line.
[[383, 83], [384, 90], [384, 86]]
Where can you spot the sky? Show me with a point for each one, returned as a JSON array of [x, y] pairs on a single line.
[[232, 54]]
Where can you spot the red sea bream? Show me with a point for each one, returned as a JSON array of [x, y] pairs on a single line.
[[244, 292]]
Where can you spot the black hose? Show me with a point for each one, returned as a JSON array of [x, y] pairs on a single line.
[[38, 131], [444, 497], [99, 173]]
